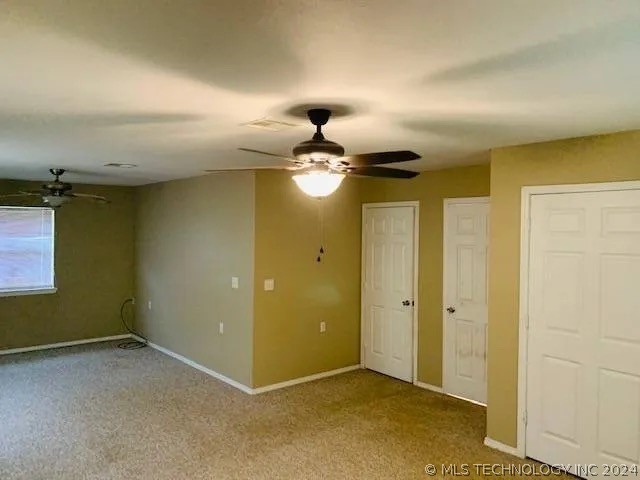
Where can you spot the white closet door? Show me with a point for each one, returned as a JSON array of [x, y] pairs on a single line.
[[583, 371], [388, 240], [465, 299]]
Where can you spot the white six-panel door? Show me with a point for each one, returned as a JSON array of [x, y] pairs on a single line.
[[388, 281], [583, 362], [465, 298]]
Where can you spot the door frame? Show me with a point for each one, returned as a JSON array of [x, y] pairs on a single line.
[[415, 204], [523, 315], [445, 232]]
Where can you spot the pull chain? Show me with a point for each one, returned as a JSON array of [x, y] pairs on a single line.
[[321, 222]]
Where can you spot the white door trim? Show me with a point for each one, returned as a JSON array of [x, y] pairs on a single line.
[[445, 204], [525, 219], [454, 200], [416, 237]]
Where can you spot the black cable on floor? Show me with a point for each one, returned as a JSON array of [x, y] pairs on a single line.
[[130, 344]]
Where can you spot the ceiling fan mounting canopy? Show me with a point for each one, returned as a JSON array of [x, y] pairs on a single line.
[[319, 116]]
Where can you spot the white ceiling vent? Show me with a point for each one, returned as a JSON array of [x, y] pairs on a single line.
[[269, 124], [121, 165]]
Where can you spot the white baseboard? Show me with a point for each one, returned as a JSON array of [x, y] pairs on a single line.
[[191, 363], [428, 386], [309, 378], [491, 443], [49, 346], [475, 402], [241, 386], [202, 368], [433, 388]]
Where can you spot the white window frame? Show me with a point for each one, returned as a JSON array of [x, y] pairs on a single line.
[[36, 291]]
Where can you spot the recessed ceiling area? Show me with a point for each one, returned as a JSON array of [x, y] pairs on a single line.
[[167, 86]]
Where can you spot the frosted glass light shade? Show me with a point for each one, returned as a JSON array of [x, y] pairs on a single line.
[[55, 200], [318, 184]]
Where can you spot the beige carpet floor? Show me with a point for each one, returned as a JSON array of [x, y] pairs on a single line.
[[98, 412]]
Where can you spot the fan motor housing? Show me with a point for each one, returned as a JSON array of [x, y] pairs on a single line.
[[57, 188], [317, 149]]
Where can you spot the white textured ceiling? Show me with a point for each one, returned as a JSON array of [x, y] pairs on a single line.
[[166, 84]]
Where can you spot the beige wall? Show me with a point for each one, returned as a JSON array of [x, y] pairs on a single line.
[[94, 273], [602, 158], [192, 236], [287, 340], [430, 188]]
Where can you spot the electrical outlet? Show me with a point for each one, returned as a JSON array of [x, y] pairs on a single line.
[[235, 282], [221, 328], [323, 327], [269, 285], [133, 300], [149, 305]]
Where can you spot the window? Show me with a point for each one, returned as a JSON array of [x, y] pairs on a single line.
[[26, 250]]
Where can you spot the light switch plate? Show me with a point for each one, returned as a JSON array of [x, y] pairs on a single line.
[[269, 285], [235, 282]]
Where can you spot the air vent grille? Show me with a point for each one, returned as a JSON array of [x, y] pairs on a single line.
[[270, 125], [121, 165]]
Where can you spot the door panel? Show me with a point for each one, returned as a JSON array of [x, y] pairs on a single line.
[[560, 396], [465, 291], [465, 351], [583, 365], [377, 330], [388, 241], [621, 313], [562, 273], [618, 416]]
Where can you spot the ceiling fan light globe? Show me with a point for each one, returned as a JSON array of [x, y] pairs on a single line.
[[318, 184], [55, 200]]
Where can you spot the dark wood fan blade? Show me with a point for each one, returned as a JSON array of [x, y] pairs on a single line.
[[209, 170], [248, 169], [21, 194], [22, 199], [251, 150], [379, 158], [382, 172], [95, 198]]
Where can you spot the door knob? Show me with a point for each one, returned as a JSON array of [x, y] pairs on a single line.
[[451, 309], [406, 303]]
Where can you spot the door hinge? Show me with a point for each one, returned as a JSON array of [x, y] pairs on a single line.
[[525, 417]]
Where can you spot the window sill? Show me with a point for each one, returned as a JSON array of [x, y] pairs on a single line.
[[19, 293]]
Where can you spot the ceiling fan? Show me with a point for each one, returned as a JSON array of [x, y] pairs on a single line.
[[56, 193], [323, 165]]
